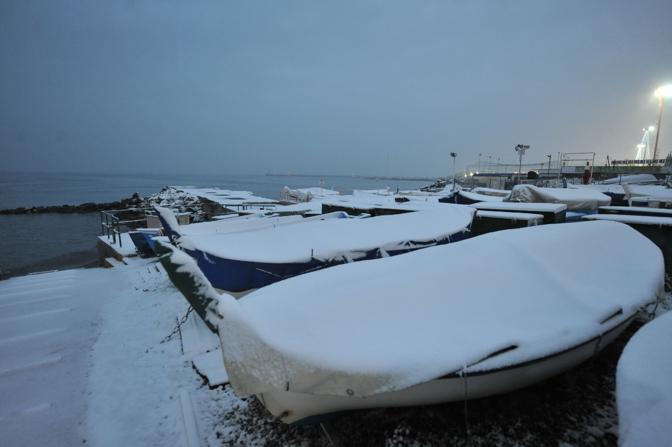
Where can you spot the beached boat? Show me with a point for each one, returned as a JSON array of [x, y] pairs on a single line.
[[643, 387], [488, 221], [300, 195], [231, 225], [636, 211], [249, 260], [552, 212], [140, 241], [426, 327], [578, 200], [467, 197], [657, 229]]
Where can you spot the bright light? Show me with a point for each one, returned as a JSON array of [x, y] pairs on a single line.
[[640, 146], [664, 91], [652, 128]]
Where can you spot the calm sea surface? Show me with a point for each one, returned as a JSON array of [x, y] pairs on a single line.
[[30, 243]]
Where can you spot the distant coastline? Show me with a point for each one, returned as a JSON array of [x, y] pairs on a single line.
[[367, 177]]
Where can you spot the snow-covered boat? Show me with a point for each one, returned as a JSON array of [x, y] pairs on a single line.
[[467, 197], [552, 212], [253, 259], [488, 221], [231, 225], [636, 211], [426, 327], [643, 387], [300, 195], [583, 199], [657, 229]]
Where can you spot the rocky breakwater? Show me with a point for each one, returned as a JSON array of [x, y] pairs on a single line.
[[135, 201]]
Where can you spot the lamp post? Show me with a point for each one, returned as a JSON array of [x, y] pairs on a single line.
[[479, 162], [521, 148], [661, 93], [454, 156], [549, 165]]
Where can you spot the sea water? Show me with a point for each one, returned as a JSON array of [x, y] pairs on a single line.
[[37, 242]]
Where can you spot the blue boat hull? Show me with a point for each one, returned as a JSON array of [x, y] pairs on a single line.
[[238, 276], [141, 243]]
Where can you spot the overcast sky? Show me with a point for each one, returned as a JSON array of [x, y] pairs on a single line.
[[381, 87]]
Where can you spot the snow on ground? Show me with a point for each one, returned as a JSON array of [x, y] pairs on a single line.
[[48, 324], [125, 248]]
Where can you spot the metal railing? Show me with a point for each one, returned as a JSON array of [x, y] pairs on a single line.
[[111, 225]]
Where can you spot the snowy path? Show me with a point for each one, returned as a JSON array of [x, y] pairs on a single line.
[[48, 323]]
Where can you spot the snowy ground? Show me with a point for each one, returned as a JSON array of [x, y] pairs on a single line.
[[83, 362]]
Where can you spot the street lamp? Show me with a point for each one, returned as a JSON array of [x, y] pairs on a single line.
[[454, 155], [521, 148], [661, 93], [549, 165]]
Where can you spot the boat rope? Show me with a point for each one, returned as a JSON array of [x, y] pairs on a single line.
[[463, 374], [597, 346], [178, 327], [330, 441]]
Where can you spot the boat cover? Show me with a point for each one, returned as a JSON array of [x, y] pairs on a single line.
[[478, 197], [376, 326], [633, 219], [643, 387], [575, 199], [232, 225], [305, 194], [336, 239]]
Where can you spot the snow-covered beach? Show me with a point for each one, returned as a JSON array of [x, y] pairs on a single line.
[[106, 357], [85, 364]]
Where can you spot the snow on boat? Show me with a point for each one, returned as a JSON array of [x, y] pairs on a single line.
[[390, 332], [635, 210], [489, 221], [492, 191], [643, 387], [226, 226], [552, 212], [657, 229], [250, 260], [467, 198], [576, 199], [306, 194], [635, 178]]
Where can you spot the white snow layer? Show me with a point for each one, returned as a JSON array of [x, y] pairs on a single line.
[[336, 238], [231, 225], [643, 386], [643, 210], [48, 324], [481, 197], [519, 206], [632, 219], [384, 325], [532, 219], [575, 199]]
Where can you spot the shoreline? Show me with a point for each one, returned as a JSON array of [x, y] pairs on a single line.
[[66, 261]]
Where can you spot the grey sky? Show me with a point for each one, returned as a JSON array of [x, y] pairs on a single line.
[[385, 87]]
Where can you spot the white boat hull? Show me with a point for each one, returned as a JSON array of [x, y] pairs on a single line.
[[290, 407]]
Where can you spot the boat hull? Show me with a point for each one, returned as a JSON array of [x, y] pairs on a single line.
[[231, 275], [293, 408]]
